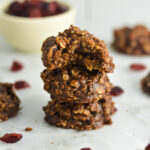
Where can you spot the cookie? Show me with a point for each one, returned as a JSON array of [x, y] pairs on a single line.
[[80, 116], [76, 47], [9, 102], [132, 41]]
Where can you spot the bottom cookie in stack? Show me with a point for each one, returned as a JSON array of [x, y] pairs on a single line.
[[85, 116]]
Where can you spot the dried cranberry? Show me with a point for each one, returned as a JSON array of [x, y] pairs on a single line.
[[11, 138], [45, 9], [40, 5], [21, 85], [147, 147], [116, 91], [86, 148], [35, 8], [138, 67], [34, 12], [61, 9], [16, 66], [35, 1], [53, 7], [15, 8]]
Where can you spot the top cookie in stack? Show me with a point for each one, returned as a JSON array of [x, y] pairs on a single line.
[[76, 47], [77, 64]]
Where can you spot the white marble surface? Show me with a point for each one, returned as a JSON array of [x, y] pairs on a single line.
[[131, 124]]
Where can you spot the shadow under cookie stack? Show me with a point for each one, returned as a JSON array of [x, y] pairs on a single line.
[[77, 64]]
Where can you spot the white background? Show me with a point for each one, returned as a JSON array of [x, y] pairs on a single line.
[[103, 15]]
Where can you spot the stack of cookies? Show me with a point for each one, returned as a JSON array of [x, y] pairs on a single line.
[[77, 64]]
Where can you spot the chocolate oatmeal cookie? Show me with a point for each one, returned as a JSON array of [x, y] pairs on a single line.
[[80, 116], [74, 84], [9, 102], [132, 41], [76, 47], [145, 84]]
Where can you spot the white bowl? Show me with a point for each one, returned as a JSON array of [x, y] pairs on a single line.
[[28, 34]]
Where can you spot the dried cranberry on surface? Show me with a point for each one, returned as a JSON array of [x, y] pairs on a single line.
[[11, 138], [86, 148], [16, 66], [147, 147], [116, 91], [21, 85], [137, 67]]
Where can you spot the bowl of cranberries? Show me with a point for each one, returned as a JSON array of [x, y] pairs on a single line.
[[25, 24]]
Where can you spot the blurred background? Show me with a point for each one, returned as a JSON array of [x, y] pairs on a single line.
[[101, 16]]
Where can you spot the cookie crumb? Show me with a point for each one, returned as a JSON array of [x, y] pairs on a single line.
[[28, 129]]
